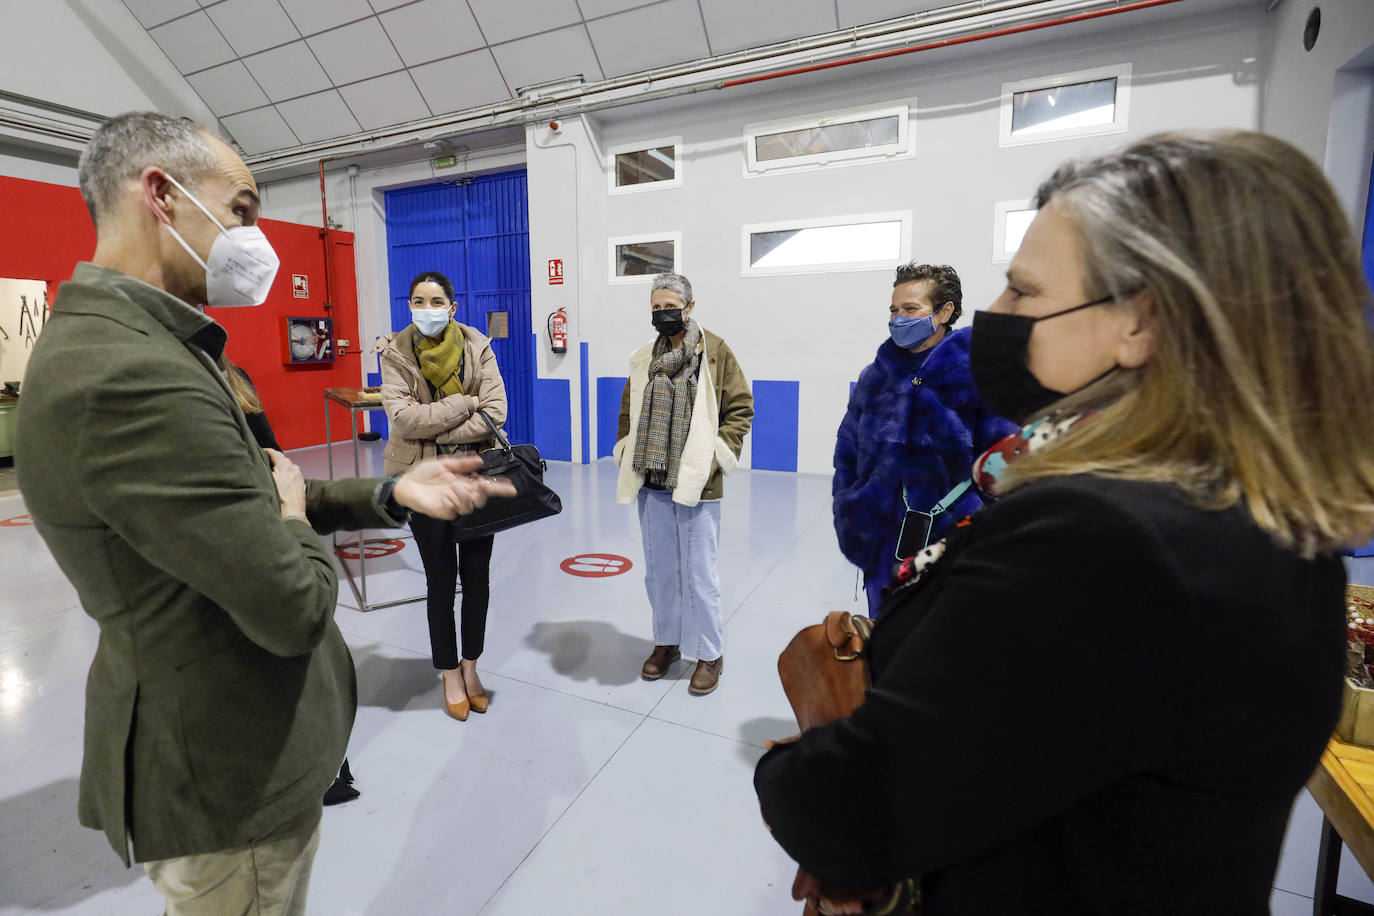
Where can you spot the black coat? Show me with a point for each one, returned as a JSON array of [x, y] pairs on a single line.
[[1101, 700]]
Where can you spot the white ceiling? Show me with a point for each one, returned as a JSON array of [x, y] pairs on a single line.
[[284, 72]]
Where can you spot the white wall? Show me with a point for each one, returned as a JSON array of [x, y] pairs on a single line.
[[1322, 101], [821, 329], [87, 54]]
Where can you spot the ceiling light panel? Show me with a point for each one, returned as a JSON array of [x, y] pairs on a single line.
[[155, 12], [355, 52], [432, 29], [288, 71], [259, 131], [732, 25], [506, 20], [553, 55], [386, 100], [311, 16], [319, 116], [253, 25], [675, 25], [228, 88], [192, 43], [461, 82]]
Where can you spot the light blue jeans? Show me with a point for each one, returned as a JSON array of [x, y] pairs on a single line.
[[680, 548]]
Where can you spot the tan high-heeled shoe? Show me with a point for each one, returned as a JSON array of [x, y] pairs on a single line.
[[458, 710], [477, 701]]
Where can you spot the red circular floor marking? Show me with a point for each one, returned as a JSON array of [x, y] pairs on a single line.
[[18, 521], [372, 549], [595, 565]]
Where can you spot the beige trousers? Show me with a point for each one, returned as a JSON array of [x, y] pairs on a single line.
[[269, 877]]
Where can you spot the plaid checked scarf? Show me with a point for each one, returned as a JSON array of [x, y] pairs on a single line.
[[667, 410]]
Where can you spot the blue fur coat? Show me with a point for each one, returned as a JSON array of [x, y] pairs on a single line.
[[914, 425]]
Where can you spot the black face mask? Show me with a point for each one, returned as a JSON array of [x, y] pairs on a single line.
[[997, 356], [668, 322]]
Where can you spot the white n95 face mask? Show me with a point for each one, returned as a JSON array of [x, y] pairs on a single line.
[[242, 263]]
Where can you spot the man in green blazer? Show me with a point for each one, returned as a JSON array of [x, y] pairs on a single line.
[[222, 693]]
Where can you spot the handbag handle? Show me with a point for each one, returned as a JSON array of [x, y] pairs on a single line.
[[496, 433]]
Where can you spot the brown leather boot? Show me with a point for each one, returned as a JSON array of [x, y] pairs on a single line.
[[706, 677], [658, 663]]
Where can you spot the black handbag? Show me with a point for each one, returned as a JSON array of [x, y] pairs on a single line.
[[533, 500]]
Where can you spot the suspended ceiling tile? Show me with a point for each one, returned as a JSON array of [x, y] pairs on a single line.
[[676, 27], [383, 5], [461, 82], [506, 20], [732, 25], [313, 16], [862, 12], [432, 29], [228, 88], [155, 12], [287, 72], [259, 130], [319, 116], [553, 55], [591, 9], [355, 52], [386, 100], [253, 25], [192, 43]]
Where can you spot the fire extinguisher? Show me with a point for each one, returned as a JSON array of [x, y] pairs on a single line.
[[558, 330]]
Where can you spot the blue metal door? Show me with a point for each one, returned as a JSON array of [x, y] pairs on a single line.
[[476, 232]]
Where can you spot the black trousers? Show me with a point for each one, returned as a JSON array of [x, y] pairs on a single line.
[[444, 562]]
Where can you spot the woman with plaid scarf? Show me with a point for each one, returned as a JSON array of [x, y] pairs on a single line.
[[684, 414]]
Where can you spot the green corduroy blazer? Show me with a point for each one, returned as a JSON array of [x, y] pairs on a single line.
[[222, 694]]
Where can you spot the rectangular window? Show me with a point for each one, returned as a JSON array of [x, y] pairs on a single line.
[[866, 135], [641, 257], [645, 166], [1087, 103], [869, 241], [498, 325], [1011, 218]]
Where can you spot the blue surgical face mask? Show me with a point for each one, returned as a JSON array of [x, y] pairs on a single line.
[[908, 332]]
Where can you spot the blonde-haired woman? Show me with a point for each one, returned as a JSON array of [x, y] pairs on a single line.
[[1102, 693]]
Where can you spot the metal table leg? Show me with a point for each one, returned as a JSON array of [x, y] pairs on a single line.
[[1325, 900]]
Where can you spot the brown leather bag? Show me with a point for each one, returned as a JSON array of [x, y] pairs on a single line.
[[825, 676]]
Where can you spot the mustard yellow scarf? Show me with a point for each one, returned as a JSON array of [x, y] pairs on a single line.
[[441, 361]]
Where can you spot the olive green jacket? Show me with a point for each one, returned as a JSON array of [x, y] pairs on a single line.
[[221, 695], [721, 417]]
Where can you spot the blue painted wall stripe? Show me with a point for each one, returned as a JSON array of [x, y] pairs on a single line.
[[608, 392], [376, 419], [586, 408], [553, 418], [774, 436]]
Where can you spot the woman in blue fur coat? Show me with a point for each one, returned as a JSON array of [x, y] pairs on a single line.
[[914, 423]]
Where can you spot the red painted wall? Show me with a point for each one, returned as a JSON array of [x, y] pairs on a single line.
[[47, 231]]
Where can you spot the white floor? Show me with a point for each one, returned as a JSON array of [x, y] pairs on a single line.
[[583, 791]]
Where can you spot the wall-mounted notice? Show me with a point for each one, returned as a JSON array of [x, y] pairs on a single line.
[[23, 312], [556, 272], [300, 286]]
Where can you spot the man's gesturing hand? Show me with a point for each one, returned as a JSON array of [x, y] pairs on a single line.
[[448, 486]]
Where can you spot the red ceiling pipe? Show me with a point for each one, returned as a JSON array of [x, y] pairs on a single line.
[[948, 42], [328, 254]]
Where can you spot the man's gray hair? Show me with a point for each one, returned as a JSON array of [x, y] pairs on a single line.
[[674, 283], [126, 144]]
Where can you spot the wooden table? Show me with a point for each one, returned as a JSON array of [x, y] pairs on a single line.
[[1343, 786]]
